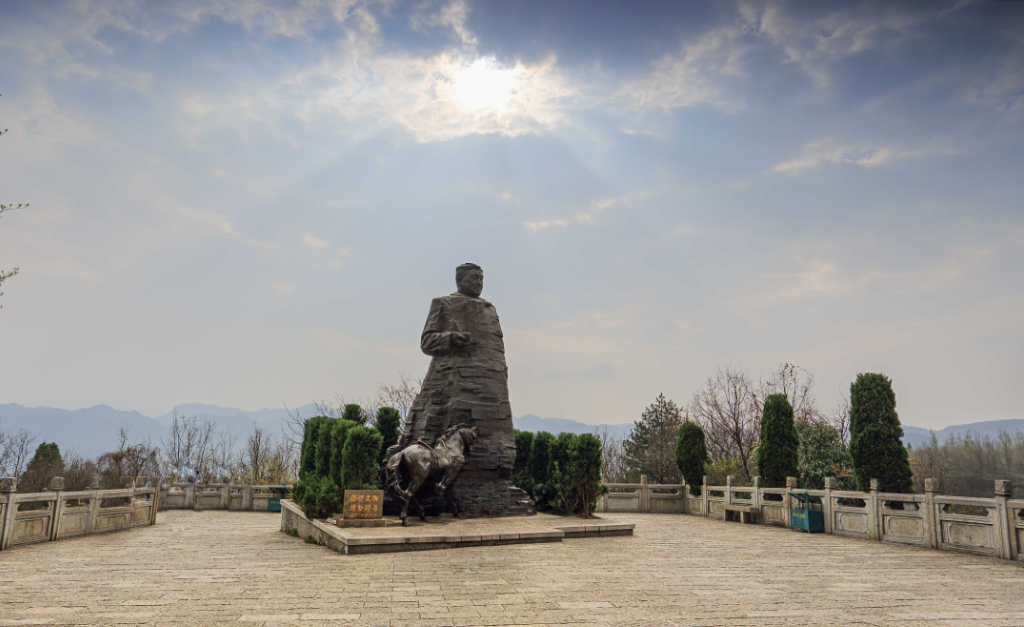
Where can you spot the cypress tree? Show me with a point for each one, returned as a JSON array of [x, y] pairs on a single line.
[[339, 434], [323, 447], [361, 459], [354, 413], [307, 456], [539, 468], [521, 467], [778, 450], [876, 436], [692, 455], [388, 424]]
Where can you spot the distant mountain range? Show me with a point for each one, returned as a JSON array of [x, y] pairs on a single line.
[[93, 431], [916, 436]]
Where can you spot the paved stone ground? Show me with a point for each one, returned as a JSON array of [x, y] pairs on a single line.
[[226, 568]]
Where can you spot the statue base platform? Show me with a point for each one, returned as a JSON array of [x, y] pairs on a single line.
[[447, 532]]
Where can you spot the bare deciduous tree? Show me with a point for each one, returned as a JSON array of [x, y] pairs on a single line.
[[727, 410], [188, 449], [613, 464], [797, 384], [15, 452]]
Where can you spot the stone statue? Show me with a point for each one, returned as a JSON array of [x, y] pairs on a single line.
[[467, 383]]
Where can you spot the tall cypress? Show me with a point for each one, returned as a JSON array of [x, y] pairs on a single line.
[[876, 436], [778, 450], [692, 455]]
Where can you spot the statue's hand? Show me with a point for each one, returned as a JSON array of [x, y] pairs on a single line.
[[461, 339]]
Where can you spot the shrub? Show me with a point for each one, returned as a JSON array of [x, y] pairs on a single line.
[[361, 459], [521, 467], [875, 436], [354, 413], [388, 423], [777, 452], [310, 437], [540, 468], [823, 453], [692, 455], [339, 433], [322, 498]]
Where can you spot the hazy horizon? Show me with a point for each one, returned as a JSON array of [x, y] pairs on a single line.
[[247, 204]]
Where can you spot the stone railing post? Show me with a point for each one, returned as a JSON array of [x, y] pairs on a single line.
[[1002, 519], [247, 498], [755, 497], [728, 490], [704, 497], [645, 496], [56, 485], [94, 504], [874, 513], [826, 504], [197, 490], [932, 533], [790, 485], [225, 496], [8, 486], [190, 496]]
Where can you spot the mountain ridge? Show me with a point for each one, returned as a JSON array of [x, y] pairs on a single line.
[[92, 431]]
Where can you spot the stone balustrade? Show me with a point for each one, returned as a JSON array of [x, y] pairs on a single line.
[[985, 526], [57, 514], [241, 498]]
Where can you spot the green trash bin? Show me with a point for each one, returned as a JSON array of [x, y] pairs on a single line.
[[277, 493], [805, 512]]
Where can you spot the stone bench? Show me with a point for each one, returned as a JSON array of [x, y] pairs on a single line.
[[744, 513]]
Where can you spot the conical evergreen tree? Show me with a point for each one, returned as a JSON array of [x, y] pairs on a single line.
[[876, 436], [778, 450], [692, 455]]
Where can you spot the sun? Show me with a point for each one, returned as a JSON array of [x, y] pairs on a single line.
[[484, 85]]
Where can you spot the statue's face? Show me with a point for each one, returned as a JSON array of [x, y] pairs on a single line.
[[472, 283]]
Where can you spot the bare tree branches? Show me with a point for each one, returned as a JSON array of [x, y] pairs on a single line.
[[15, 452], [728, 411], [188, 449]]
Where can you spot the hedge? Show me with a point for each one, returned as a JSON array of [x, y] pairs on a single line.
[[561, 473], [336, 454]]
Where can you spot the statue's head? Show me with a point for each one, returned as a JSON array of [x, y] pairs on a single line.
[[470, 279]]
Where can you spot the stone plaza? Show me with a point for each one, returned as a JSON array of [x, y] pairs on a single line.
[[233, 568]]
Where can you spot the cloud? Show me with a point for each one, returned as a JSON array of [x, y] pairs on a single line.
[[544, 224], [313, 242], [863, 155], [815, 42], [697, 75]]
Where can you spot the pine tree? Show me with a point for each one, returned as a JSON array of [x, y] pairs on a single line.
[[778, 450], [692, 455], [46, 464], [650, 448], [876, 436]]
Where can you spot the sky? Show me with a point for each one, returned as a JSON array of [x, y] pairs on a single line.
[[251, 204]]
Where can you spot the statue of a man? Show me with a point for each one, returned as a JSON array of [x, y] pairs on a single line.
[[467, 383]]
